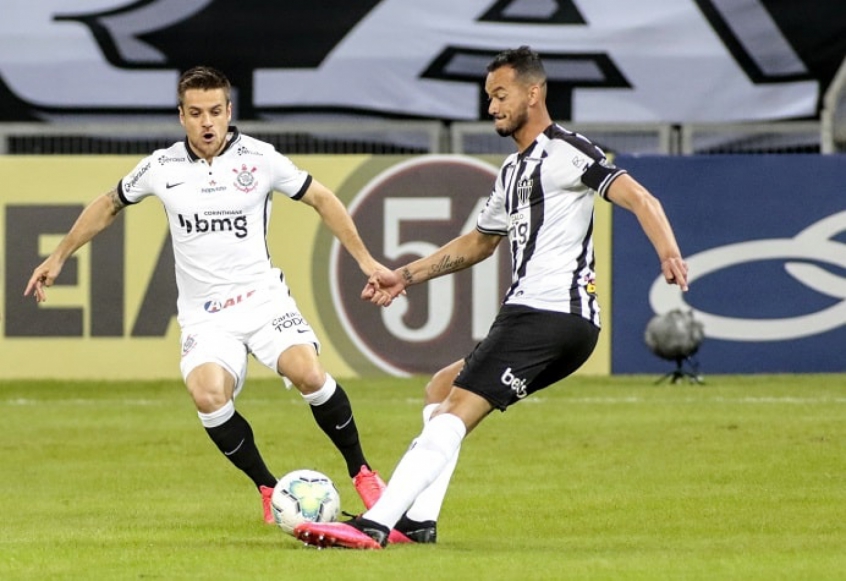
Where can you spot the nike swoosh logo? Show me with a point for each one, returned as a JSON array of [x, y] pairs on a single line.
[[344, 425], [302, 330], [168, 186], [238, 447]]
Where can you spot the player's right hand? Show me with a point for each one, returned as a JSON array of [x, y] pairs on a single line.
[[42, 277], [383, 287]]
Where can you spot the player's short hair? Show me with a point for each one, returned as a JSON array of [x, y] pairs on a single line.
[[203, 78], [526, 63]]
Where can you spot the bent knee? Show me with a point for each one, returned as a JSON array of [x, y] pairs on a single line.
[[210, 387], [438, 387], [308, 380], [206, 398]]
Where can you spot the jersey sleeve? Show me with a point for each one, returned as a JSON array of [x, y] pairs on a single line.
[[493, 219], [288, 179], [137, 185], [599, 175], [579, 163]]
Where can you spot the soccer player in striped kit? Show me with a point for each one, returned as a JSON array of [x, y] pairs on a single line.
[[548, 325]]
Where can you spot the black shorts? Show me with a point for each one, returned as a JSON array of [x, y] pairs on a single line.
[[525, 351]]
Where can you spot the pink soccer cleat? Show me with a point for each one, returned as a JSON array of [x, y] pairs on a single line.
[[354, 534], [266, 493], [369, 486]]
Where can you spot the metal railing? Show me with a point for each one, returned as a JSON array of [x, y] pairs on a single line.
[[419, 137], [781, 137], [480, 138], [140, 137], [833, 115]]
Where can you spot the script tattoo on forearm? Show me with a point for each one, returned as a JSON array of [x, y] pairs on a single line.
[[446, 265], [406, 277]]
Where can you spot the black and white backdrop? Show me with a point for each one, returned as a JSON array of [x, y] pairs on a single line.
[[674, 61]]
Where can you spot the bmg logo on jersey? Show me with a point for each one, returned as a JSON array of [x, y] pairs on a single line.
[[215, 221], [517, 385]]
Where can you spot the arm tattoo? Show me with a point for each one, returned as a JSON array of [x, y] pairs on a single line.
[[406, 277], [117, 203], [446, 265]]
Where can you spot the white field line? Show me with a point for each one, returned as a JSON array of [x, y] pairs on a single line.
[[127, 402], [81, 402], [788, 400], [718, 399]]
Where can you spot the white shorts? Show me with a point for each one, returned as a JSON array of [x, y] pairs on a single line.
[[264, 327]]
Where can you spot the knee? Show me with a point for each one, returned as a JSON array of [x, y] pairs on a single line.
[[432, 393], [210, 387], [206, 398], [438, 387], [308, 380], [302, 368]]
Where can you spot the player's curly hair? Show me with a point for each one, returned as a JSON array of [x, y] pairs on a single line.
[[203, 78], [526, 64]]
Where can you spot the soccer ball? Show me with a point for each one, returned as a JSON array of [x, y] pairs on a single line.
[[304, 495]]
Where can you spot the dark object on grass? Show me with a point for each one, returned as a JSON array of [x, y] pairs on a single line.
[[676, 336]]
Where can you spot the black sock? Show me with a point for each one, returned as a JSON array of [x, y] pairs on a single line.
[[335, 418], [235, 439]]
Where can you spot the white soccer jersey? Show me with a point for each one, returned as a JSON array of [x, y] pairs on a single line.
[[218, 216], [543, 201]]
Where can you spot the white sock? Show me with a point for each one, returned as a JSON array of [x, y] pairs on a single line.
[[323, 394], [218, 417], [428, 410], [419, 467], [427, 505]]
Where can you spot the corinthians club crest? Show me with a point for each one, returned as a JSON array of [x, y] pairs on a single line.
[[245, 180]]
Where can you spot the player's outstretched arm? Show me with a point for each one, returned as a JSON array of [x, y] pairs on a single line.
[[336, 217], [95, 218], [457, 254], [626, 192]]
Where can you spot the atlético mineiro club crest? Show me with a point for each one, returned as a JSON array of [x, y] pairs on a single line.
[[245, 180]]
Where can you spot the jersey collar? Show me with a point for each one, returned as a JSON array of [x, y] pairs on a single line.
[[233, 130]]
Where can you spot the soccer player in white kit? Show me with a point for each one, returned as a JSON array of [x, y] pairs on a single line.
[[542, 203], [216, 187]]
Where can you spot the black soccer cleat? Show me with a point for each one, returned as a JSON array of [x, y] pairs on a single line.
[[416, 531]]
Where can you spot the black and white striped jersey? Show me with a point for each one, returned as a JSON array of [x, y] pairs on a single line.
[[543, 201]]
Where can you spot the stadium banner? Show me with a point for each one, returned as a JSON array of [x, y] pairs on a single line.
[[609, 61], [765, 239], [112, 313]]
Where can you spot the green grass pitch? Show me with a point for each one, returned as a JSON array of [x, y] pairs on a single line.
[[596, 478]]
